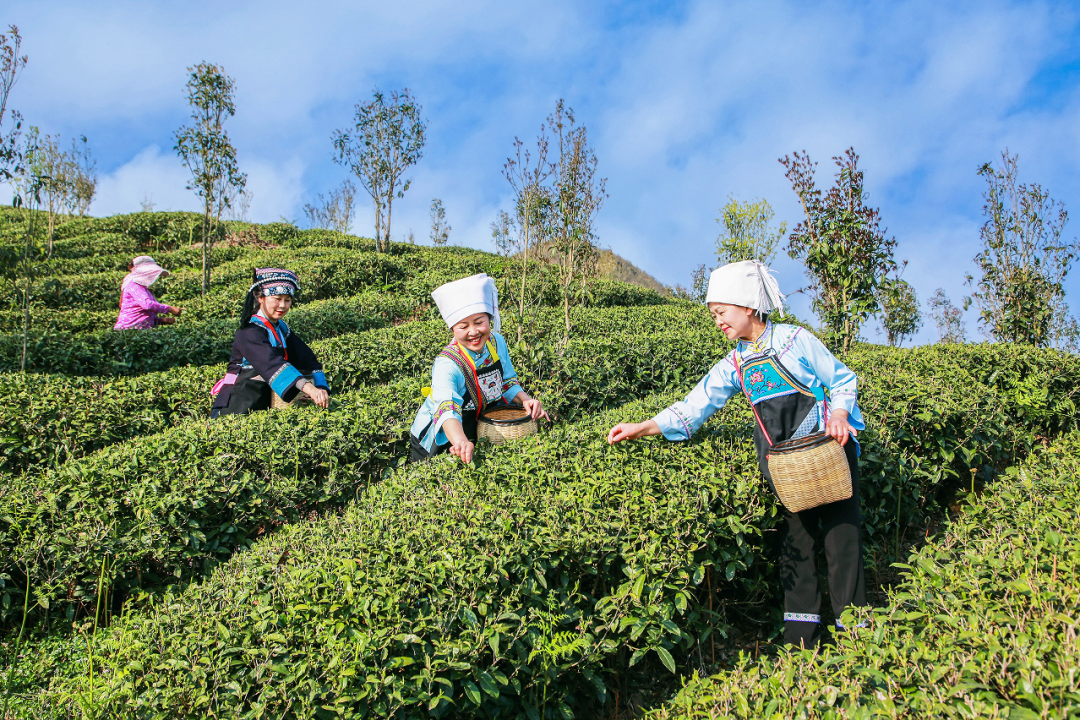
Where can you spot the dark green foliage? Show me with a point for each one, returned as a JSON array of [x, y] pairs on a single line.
[[278, 233], [196, 342], [168, 507], [983, 625], [428, 595], [47, 419]]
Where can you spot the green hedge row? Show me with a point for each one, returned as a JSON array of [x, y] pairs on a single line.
[[166, 508], [440, 590], [47, 419], [24, 528], [190, 341], [983, 625], [497, 590], [324, 273]]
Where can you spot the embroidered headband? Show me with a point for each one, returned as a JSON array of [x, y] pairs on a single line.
[[275, 281]]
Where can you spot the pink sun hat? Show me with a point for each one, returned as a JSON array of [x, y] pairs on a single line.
[[144, 271]]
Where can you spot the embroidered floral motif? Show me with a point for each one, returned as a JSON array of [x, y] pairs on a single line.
[[801, 617], [446, 406], [841, 625], [763, 382], [511, 383]]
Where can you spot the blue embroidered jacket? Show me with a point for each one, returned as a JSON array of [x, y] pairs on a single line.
[[800, 353]]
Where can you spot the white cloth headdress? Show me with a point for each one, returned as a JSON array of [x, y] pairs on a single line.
[[748, 284], [459, 299]]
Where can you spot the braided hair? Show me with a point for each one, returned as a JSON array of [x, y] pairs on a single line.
[[249, 301]]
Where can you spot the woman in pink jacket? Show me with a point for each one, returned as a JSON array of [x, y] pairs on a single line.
[[139, 309]]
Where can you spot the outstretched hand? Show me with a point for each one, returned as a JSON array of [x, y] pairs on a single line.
[[838, 426], [463, 451], [532, 406], [632, 431], [318, 395]]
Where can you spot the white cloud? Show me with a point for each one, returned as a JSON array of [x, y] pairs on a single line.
[[151, 175]]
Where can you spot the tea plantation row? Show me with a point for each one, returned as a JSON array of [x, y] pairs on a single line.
[[46, 419], [159, 511], [123, 501], [984, 624], [527, 580]]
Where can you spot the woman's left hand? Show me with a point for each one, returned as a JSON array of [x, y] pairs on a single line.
[[838, 426], [532, 406]]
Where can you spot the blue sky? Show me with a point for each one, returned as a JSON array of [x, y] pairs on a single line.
[[687, 103]]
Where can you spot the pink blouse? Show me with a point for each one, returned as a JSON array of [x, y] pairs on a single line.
[[138, 308]]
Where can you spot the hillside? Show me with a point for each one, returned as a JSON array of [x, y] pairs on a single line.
[[291, 564], [615, 267]]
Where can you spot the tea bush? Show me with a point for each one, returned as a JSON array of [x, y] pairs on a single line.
[[199, 342], [431, 595], [983, 624], [166, 508], [323, 272], [46, 419]]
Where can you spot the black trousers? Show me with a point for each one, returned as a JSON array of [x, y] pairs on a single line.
[[840, 524]]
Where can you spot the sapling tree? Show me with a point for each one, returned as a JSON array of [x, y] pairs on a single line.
[[84, 179], [440, 229], [51, 168], [386, 139], [206, 150], [523, 233], [948, 318], [578, 196], [699, 286], [1024, 259], [335, 212], [841, 242], [13, 166], [899, 310], [11, 66], [747, 232]]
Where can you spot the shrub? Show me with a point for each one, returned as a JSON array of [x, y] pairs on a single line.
[[47, 419], [200, 342], [278, 233], [434, 593], [167, 508], [983, 624]]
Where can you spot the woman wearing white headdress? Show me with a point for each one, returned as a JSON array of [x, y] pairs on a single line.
[[469, 374], [796, 387]]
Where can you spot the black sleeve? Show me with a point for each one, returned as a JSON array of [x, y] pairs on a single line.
[[269, 361]]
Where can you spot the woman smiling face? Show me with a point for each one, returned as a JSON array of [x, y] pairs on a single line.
[[473, 332], [736, 322]]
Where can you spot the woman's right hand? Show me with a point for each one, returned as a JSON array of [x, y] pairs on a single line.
[[462, 450], [175, 310], [632, 431], [317, 394]]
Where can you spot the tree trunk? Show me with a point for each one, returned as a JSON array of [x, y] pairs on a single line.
[[29, 269], [206, 249], [521, 299], [389, 209], [378, 222]]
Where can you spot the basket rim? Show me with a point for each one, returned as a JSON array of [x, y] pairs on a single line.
[[504, 423], [805, 442]]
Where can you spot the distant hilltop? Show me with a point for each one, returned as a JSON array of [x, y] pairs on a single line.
[[615, 267]]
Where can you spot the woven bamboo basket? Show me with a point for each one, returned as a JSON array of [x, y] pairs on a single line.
[[502, 424], [809, 471], [301, 398]]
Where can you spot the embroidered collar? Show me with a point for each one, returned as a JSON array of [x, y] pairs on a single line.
[[757, 345]]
